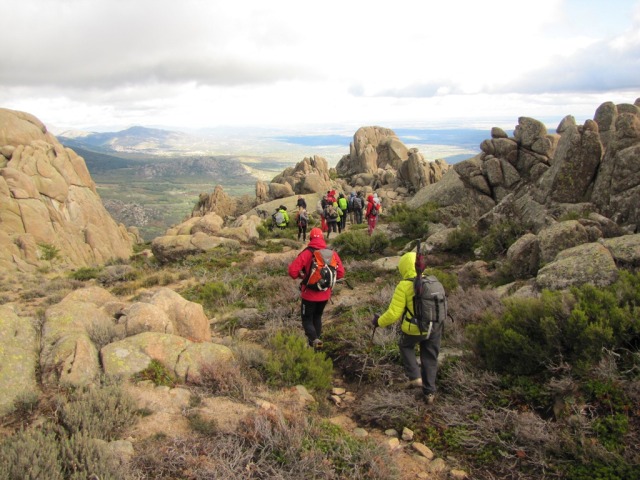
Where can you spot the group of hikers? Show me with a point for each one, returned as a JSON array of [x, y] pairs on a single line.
[[333, 209], [314, 297]]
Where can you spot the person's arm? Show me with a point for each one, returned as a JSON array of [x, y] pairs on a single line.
[[297, 268], [339, 268], [396, 307]]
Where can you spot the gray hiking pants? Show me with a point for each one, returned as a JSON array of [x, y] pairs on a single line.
[[429, 350]]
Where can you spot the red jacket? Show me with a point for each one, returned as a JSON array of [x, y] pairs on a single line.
[[371, 204], [302, 264]]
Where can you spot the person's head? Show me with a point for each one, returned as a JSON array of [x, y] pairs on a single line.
[[370, 198], [282, 207], [315, 233], [407, 265]]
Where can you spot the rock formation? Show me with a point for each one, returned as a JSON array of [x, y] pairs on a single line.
[[49, 207], [535, 178]]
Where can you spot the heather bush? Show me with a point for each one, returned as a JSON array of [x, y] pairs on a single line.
[[499, 238], [414, 223], [358, 244], [462, 240], [85, 273], [292, 362], [224, 378], [31, 455], [101, 413]]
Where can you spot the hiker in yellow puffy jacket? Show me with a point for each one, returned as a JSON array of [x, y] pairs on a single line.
[[401, 307], [281, 217]]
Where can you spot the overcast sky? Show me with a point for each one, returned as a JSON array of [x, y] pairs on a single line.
[[111, 64]]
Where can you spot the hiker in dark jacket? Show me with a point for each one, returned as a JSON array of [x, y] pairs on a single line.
[[313, 301], [301, 202], [401, 307]]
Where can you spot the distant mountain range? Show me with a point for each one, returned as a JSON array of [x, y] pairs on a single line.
[[156, 175]]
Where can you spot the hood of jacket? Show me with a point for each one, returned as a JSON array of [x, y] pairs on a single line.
[[407, 265], [317, 243]]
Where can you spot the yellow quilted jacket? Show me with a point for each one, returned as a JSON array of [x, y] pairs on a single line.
[[402, 297]]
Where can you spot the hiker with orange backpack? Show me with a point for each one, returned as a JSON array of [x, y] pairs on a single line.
[[317, 282]]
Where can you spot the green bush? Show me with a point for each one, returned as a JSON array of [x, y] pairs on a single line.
[[358, 243], [158, 373], [448, 280], [575, 328], [499, 238], [414, 223], [85, 273], [49, 251], [462, 240], [292, 362], [524, 339]]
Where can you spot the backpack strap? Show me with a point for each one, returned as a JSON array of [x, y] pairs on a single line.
[[307, 268]]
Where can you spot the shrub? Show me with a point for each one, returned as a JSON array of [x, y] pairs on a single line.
[[292, 362], [461, 240], [31, 455], [204, 426], [386, 409], [499, 238], [224, 378], [84, 457], [358, 243], [578, 328], [85, 273], [414, 223], [49, 251], [103, 333], [102, 412], [524, 339], [158, 373]]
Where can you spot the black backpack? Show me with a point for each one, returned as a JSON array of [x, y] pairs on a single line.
[[429, 303]]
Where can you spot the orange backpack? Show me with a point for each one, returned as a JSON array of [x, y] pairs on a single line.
[[322, 273]]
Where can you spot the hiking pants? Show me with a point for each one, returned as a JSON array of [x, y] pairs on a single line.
[[302, 231], [358, 214], [332, 226], [371, 220], [429, 350], [312, 319]]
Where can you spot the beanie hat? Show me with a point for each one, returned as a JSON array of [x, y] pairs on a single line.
[[315, 233]]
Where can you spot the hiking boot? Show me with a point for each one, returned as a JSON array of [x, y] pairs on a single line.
[[415, 383], [317, 344], [429, 398]]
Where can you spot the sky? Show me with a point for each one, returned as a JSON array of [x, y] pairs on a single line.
[[105, 65]]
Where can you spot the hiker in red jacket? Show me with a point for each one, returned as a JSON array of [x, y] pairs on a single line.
[[373, 209], [313, 301]]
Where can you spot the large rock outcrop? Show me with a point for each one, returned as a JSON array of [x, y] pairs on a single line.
[[49, 207], [377, 157], [535, 178], [79, 326]]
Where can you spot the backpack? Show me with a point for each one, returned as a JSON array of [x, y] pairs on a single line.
[[374, 211], [303, 219], [322, 272], [357, 203], [342, 203], [332, 212], [429, 303], [278, 217]]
